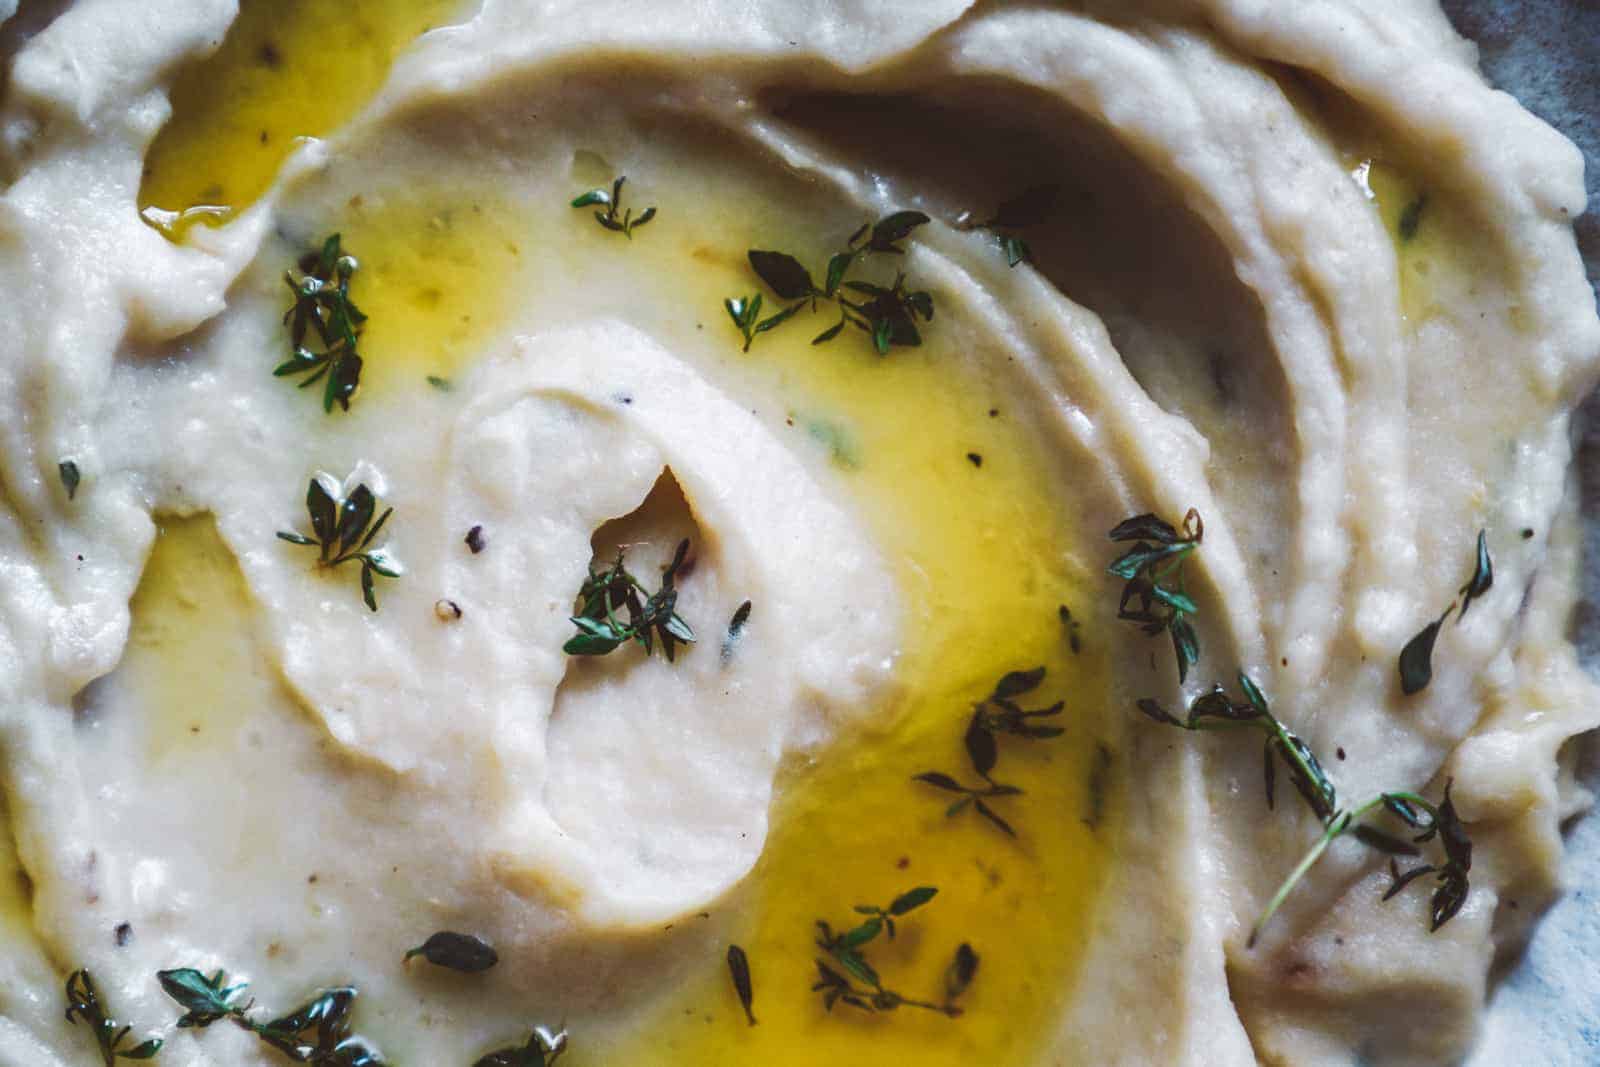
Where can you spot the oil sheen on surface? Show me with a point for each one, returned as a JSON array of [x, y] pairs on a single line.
[[287, 69], [983, 549], [935, 449]]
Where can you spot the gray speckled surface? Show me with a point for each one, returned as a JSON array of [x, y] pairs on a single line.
[[1547, 1012]]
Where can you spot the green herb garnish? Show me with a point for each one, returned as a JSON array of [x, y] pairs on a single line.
[[1215, 711], [847, 977], [70, 477], [735, 630], [322, 304], [958, 976], [1148, 568], [612, 203], [1416, 658], [83, 1005], [1482, 575], [343, 531], [651, 617], [1071, 628], [458, 952], [1411, 217], [739, 971], [1027, 208], [544, 1047], [996, 714], [886, 314], [317, 1032]]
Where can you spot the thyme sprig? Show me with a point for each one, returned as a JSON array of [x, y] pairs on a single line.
[[322, 304], [651, 617], [998, 713], [1416, 658], [886, 314], [846, 976], [1027, 208], [83, 1005], [1215, 711], [317, 1032], [611, 202], [543, 1048], [343, 530], [1153, 571]]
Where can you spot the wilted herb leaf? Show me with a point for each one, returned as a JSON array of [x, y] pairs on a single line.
[[458, 952], [543, 1048], [739, 970], [1482, 576], [1416, 659], [69, 477]]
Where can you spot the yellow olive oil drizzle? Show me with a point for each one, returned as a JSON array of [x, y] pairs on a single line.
[[287, 69]]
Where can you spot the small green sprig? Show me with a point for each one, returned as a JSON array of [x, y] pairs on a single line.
[[886, 314], [1215, 711], [317, 1032], [343, 529], [322, 304], [845, 976], [1154, 595], [1027, 208], [611, 202], [543, 1048], [998, 713], [1416, 658], [651, 617], [83, 1005]]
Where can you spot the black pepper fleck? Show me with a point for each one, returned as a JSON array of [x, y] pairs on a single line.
[[475, 540], [975, 459], [123, 934]]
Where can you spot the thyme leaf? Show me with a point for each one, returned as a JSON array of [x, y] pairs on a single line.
[[1411, 218], [1150, 568], [886, 314], [739, 970], [958, 976], [322, 305], [543, 1048], [457, 952], [611, 203], [343, 529], [83, 1005], [651, 617], [1416, 658], [70, 477], [1027, 208], [1482, 576], [845, 976]]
